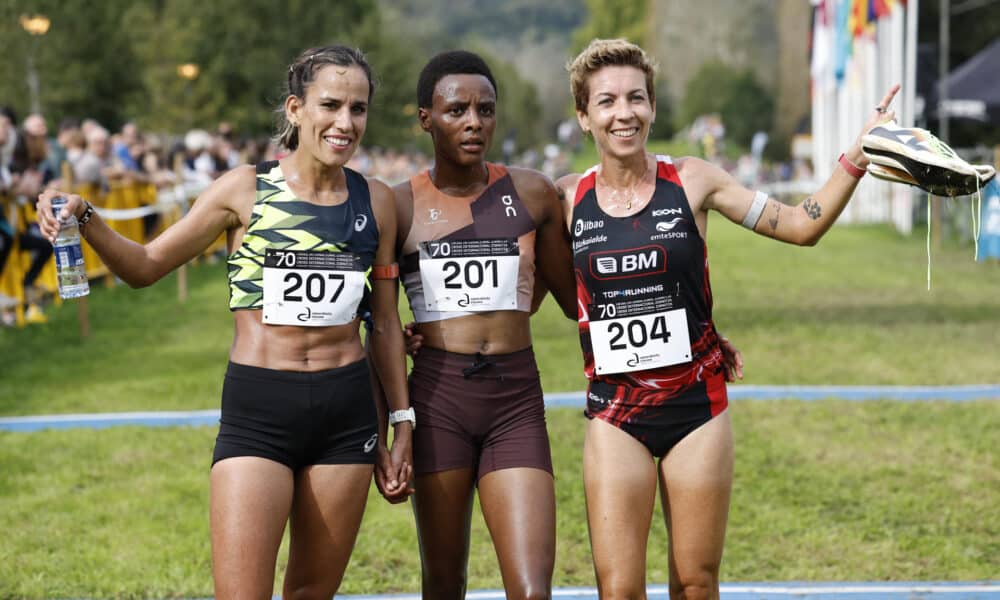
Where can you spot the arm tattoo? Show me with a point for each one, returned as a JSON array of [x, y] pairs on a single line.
[[812, 208], [773, 222]]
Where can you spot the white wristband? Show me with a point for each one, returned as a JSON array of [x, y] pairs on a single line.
[[756, 210], [397, 416]]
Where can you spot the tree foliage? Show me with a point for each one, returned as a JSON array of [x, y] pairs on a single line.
[[242, 49], [613, 19], [85, 64], [744, 105], [117, 60]]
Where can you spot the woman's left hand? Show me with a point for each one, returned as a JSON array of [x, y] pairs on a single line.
[[393, 468], [882, 113]]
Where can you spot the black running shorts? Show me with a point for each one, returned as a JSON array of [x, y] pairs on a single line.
[[297, 418]]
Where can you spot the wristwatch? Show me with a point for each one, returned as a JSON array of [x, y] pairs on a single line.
[[403, 415]]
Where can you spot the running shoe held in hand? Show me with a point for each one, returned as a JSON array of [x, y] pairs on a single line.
[[930, 163]]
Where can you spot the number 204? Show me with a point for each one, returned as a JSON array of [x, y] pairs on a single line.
[[638, 336]]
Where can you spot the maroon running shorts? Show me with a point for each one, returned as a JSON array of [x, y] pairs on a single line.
[[480, 411]]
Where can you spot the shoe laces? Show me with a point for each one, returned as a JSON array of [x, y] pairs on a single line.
[[977, 226]]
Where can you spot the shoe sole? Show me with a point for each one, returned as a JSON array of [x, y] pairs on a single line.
[[891, 174]]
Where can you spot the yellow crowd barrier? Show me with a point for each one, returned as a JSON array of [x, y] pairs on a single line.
[[119, 196]]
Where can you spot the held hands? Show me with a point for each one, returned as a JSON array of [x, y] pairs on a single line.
[[47, 222], [732, 359], [412, 339], [393, 467]]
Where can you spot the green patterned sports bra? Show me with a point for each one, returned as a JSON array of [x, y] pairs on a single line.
[[281, 221]]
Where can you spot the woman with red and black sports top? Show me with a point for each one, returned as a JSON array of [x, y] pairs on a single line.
[[654, 359]]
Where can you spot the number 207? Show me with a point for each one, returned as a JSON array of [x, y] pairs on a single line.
[[315, 286]]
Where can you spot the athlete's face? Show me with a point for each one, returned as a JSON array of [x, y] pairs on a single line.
[[461, 118], [333, 115], [619, 110]]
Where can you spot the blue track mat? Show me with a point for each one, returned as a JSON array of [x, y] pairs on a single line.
[[779, 591], [959, 393]]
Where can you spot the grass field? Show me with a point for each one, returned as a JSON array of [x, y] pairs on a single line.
[[830, 490]]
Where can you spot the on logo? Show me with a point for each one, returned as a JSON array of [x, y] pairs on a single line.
[[508, 203]]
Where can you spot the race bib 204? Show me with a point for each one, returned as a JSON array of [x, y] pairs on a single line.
[[636, 335]]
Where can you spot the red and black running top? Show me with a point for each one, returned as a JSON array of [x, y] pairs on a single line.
[[642, 286]]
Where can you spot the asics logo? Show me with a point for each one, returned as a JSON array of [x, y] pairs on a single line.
[[370, 444], [360, 222]]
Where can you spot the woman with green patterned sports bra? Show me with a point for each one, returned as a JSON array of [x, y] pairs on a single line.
[[312, 245]]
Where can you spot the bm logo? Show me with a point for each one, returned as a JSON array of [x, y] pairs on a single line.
[[618, 264]]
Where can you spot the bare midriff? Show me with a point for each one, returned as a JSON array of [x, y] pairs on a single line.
[[293, 348], [498, 332]]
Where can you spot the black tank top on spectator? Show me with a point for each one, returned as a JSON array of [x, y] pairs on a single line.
[[645, 302]]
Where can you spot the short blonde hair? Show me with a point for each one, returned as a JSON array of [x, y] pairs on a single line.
[[607, 53]]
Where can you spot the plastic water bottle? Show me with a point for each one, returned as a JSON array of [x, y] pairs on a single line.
[[69, 256]]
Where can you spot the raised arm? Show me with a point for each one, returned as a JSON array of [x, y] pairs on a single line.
[[218, 209], [386, 348], [803, 224]]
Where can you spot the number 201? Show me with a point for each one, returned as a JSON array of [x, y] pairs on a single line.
[[475, 273]]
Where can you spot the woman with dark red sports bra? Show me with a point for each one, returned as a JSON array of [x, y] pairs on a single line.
[[652, 354], [473, 236]]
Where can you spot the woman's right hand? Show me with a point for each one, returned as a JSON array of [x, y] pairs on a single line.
[[48, 224], [412, 339]]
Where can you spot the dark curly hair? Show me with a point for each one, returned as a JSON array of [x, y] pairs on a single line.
[[453, 62]]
